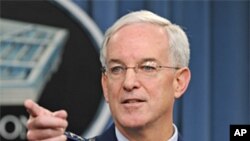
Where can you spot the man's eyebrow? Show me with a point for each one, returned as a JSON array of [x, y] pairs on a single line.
[[148, 60], [115, 61]]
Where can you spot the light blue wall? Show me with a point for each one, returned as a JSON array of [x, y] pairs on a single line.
[[219, 33]]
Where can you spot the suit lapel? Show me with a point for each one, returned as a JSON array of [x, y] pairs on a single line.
[[108, 135]]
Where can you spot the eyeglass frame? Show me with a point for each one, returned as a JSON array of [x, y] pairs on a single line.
[[139, 67]]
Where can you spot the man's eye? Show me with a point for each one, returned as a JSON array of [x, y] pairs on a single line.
[[117, 69], [147, 68]]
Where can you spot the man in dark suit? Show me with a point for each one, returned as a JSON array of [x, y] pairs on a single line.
[[145, 68], [110, 135]]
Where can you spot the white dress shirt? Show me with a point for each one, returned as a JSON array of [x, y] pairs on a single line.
[[120, 137]]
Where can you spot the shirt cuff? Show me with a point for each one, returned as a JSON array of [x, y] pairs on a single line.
[[73, 137]]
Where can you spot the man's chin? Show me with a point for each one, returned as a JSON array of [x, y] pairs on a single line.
[[131, 120], [135, 124]]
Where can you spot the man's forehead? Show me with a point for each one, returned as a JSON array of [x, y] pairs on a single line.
[[129, 46], [130, 56]]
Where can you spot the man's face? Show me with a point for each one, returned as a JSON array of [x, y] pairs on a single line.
[[136, 100]]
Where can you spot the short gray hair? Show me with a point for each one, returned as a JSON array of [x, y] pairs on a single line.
[[178, 41]]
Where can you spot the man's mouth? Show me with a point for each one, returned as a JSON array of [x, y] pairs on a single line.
[[131, 101]]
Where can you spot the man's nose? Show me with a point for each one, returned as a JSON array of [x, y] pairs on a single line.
[[130, 80]]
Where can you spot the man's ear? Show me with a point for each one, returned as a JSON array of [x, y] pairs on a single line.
[[181, 81], [105, 87]]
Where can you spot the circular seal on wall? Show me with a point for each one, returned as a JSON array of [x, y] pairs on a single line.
[[50, 53]]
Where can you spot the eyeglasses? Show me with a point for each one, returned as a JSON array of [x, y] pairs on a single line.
[[146, 69]]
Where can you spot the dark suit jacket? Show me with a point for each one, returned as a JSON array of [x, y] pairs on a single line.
[[109, 135]]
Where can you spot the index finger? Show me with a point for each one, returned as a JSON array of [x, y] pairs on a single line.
[[34, 109]]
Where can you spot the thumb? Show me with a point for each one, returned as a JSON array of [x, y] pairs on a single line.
[[60, 114]]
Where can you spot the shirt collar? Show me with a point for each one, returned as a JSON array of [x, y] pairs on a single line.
[[120, 137]]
